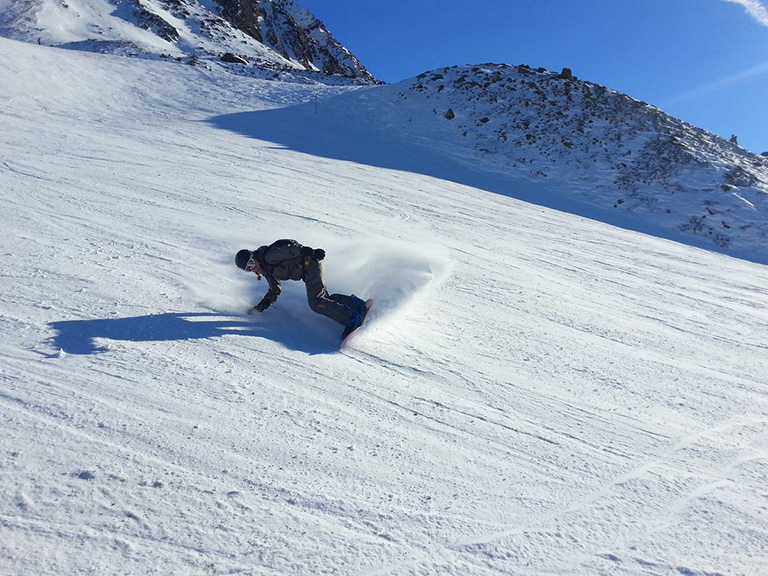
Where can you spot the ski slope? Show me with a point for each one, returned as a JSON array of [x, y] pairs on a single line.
[[537, 393]]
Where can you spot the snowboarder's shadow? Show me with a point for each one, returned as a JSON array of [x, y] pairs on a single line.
[[82, 336]]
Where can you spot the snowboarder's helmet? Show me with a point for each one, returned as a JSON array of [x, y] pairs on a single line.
[[242, 258]]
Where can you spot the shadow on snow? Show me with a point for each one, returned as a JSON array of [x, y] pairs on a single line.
[[80, 336]]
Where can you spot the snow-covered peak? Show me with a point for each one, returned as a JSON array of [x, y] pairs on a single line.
[[258, 37]]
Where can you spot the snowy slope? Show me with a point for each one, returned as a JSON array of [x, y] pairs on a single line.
[[538, 393], [559, 142]]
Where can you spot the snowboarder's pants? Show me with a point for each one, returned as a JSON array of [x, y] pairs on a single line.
[[337, 307]]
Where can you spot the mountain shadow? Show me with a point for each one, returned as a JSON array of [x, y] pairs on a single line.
[[298, 128]]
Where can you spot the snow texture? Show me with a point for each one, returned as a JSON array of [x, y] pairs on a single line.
[[537, 392]]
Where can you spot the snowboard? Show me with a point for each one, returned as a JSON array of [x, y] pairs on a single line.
[[345, 339]]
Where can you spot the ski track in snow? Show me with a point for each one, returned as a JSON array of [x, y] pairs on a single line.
[[535, 392]]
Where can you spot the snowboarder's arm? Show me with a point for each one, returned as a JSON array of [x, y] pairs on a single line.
[[269, 298], [316, 253]]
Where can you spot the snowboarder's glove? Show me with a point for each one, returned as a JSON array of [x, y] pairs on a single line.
[[260, 307], [308, 252]]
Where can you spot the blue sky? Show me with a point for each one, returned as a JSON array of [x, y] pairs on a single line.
[[704, 61]]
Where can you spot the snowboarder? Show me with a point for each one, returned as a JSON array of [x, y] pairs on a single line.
[[289, 260]]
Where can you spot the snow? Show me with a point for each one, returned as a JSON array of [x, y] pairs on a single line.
[[537, 392]]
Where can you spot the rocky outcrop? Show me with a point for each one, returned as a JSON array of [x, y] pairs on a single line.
[[293, 33], [601, 148], [154, 23]]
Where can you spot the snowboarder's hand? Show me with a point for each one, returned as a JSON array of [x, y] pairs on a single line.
[[260, 307], [308, 252]]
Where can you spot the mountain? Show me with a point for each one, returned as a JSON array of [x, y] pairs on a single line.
[[540, 136], [554, 140], [603, 150], [257, 37]]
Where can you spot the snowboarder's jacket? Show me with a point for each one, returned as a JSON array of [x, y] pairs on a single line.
[[281, 260]]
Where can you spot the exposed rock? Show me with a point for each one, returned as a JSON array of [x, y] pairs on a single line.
[[155, 23], [295, 34], [232, 59], [244, 15]]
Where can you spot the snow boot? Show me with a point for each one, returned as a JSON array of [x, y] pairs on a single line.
[[353, 323], [359, 305]]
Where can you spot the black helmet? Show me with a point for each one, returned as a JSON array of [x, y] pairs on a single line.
[[242, 258]]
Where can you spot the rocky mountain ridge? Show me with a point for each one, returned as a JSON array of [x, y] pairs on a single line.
[[593, 150], [268, 38], [619, 151]]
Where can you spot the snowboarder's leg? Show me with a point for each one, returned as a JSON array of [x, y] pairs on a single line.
[[350, 302], [319, 300]]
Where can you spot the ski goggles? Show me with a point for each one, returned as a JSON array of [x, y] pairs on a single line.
[[251, 265]]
